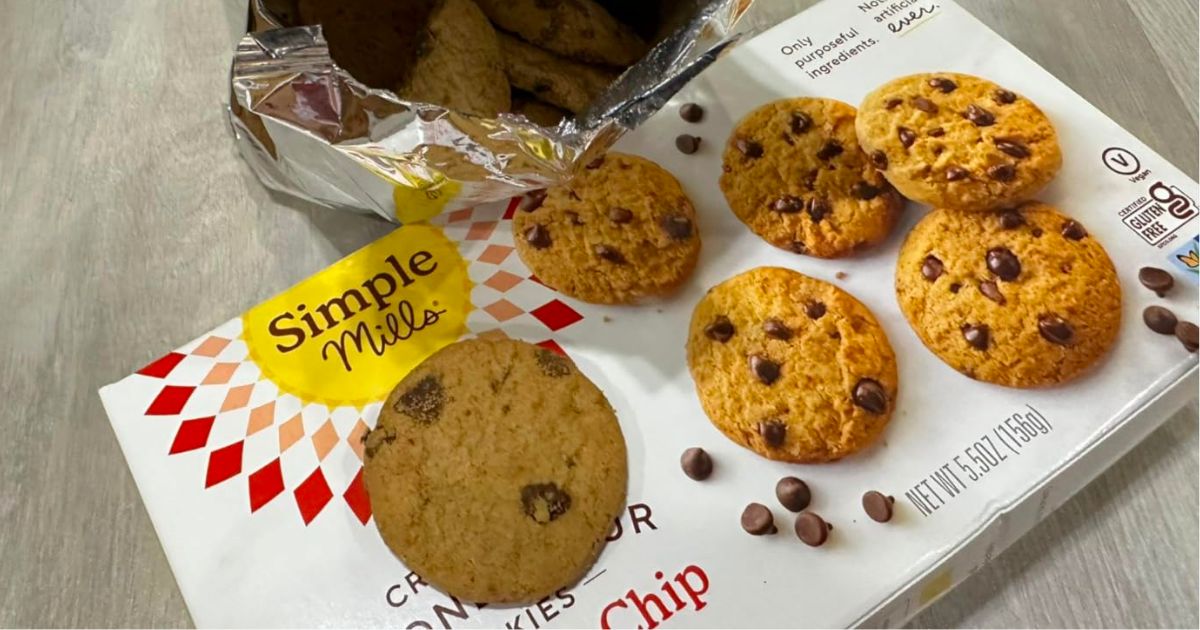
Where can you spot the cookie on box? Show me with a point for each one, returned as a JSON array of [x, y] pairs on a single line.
[[577, 29], [560, 82], [458, 63]]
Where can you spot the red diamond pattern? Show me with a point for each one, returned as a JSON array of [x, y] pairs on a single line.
[[170, 400], [265, 484], [313, 495], [552, 346], [163, 366], [223, 463], [512, 208], [556, 315], [356, 498], [191, 435]]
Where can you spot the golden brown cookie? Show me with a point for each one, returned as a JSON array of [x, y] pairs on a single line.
[[375, 41], [1023, 297], [957, 141], [561, 82], [621, 230], [495, 471], [458, 64], [577, 29], [790, 367], [793, 173]]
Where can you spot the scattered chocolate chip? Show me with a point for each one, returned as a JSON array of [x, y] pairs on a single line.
[[830, 150], [533, 200], [424, 401], [1011, 219], [932, 268], [841, 275], [878, 506], [937, 132], [777, 329], [609, 253], [955, 287], [956, 173], [620, 215], [573, 217], [1160, 320], [925, 105], [696, 463], [880, 160], [596, 163], [721, 329], [773, 432], [814, 310], [1188, 335], [906, 135], [749, 148], [1004, 97], [937, 150], [537, 236], [818, 207], [1073, 230], [893, 103], [1036, 232], [865, 191], [691, 112], [544, 502], [992, 292], [1157, 280], [793, 494], [801, 122], [1055, 329], [1002, 262], [1013, 148], [787, 204], [810, 180], [687, 144], [943, 84], [976, 335], [811, 529], [869, 395], [552, 363], [677, 226], [980, 116], [757, 520], [1002, 172], [766, 370]]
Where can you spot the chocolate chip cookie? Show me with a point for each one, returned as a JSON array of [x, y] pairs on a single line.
[[1024, 297], [495, 471], [794, 174], [576, 29], [622, 229], [561, 82], [957, 141], [790, 367]]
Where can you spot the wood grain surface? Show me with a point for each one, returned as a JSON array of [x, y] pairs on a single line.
[[129, 225]]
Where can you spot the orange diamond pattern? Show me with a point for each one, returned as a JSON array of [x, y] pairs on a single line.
[[503, 310], [495, 254], [324, 439], [211, 347], [261, 417], [503, 281], [237, 397], [356, 437], [460, 215], [481, 231], [290, 432], [220, 374]]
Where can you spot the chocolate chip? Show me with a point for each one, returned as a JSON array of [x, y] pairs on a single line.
[[773, 432], [810, 180], [793, 494], [609, 253], [1036, 232], [814, 310], [687, 144], [1065, 267], [925, 105], [797, 247], [880, 160], [1073, 230], [537, 236], [943, 84], [992, 292], [801, 122], [893, 103], [596, 163], [811, 529], [1002, 262], [749, 148], [620, 215], [766, 370], [777, 329], [1013, 148], [677, 226], [424, 401], [906, 135], [830, 150], [787, 204], [1157, 280], [956, 173], [691, 112], [818, 207], [757, 520], [721, 329], [696, 463], [533, 200], [1188, 335], [1002, 172], [976, 335], [936, 132], [1011, 219], [869, 395], [573, 217], [1004, 97], [937, 150], [980, 116], [552, 363], [544, 502], [878, 506], [955, 287], [1055, 329], [1160, 320], [787, 139], [932, 268], [864, 191]]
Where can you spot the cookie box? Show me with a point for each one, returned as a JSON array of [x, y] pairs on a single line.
[[246, 443]]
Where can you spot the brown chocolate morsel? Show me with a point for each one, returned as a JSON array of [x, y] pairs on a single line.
[[552, 364], [801, 122], [937, 132], [544, 502], [880, 160], [757, 520], [1188, 335], [423, 402], [764, 369], [1011, 219], [787, 204], [925, 105], [696, 463], [691, 112], [533, 200], [1160, 320], [677, 226], [537, 236], [932, 268], [609, 253], [1002, 262], [749, 148], [830, 150], [687, 144], [793, 494], [721, 329], [818, 207], [620, 215], [1012, 147], [1055, 329], [811, 529], [943, 84], [1002, 172], [864, 191], [976, 335], [596, 163], [798, 247], [893, 103], [1073, 230], [777, 329], [907, 136], [956, 173], [992, 292], [980, 116], [1004, 97], [773, 432], [869, 395], [1157, 280], [955, 287], [878, 506], [814, 309]]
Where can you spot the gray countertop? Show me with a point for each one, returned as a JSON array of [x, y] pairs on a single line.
[[130, 225]]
